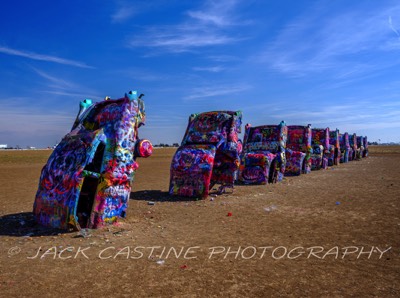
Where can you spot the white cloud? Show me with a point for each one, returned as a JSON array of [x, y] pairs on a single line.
[[123, 13], [73, 94], [184, 39], [126, 10], [209, 69], [208, 26], [56, 81], [351, 117], [217, 13], [392, 27], [201, 93], [63, 87], [41, 57], [204, 17], [223, 58], [319, 41]]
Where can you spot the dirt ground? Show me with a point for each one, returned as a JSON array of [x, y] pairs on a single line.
[[333, 232]]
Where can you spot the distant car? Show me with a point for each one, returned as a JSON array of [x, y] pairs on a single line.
[[298, 150], [334, 148], [263, 158], [344, 147], [208, 155], [86, 182], [354, 150], [365, 142], [320, 146], [360, 147]]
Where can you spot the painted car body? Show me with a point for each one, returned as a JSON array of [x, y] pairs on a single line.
[[344, 147], [320, 146], [263, 158], [365, 142], [354, 150], [360, 147], [298, 150], [86, 182], [208, 155], [334, 148]]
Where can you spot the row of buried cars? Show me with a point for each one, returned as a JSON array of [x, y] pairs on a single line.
[[86, 182], [211, 153]]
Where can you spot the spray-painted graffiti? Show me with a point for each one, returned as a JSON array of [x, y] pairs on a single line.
[[263, 159], [298, 150], [320, 146], [208, 155], [360, 147], [334, 148], [87, 179], [344, 147], [354, 150], [365, 142]]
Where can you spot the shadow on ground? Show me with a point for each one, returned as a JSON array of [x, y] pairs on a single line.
[[158, 196], [24, 225]]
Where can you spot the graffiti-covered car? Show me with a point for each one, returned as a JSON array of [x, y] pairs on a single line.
[[263, 158], [320, 146], [209, 154], [344, 147], [298, 150], [86, 182], [354, 150], [360, 147], [334, 148], [365, 142]]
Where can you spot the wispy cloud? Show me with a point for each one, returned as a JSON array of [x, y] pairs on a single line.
[[140, 74], [351, 119], [363, 117], [392, 27], [209, 69], [74, 94], [218, 13], [124, 12], [182, 39], [208, 26], [318, 41], [206, 92], [63, 87], [223, 58], [41, 57], [56, 81]]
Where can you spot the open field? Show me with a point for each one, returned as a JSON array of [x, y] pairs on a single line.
[[329, 233]]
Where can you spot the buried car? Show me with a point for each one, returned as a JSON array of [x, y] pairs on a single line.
[[334, 148], [298, 150], [365, 152], [263, 158], [208, 155], [344, 147], [320, 146], [86, 182], [360, 147], [354, 150]]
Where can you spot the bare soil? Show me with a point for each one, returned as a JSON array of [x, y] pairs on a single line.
[[333, 232]]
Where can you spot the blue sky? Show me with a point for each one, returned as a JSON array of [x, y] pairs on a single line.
[[329, 63]]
